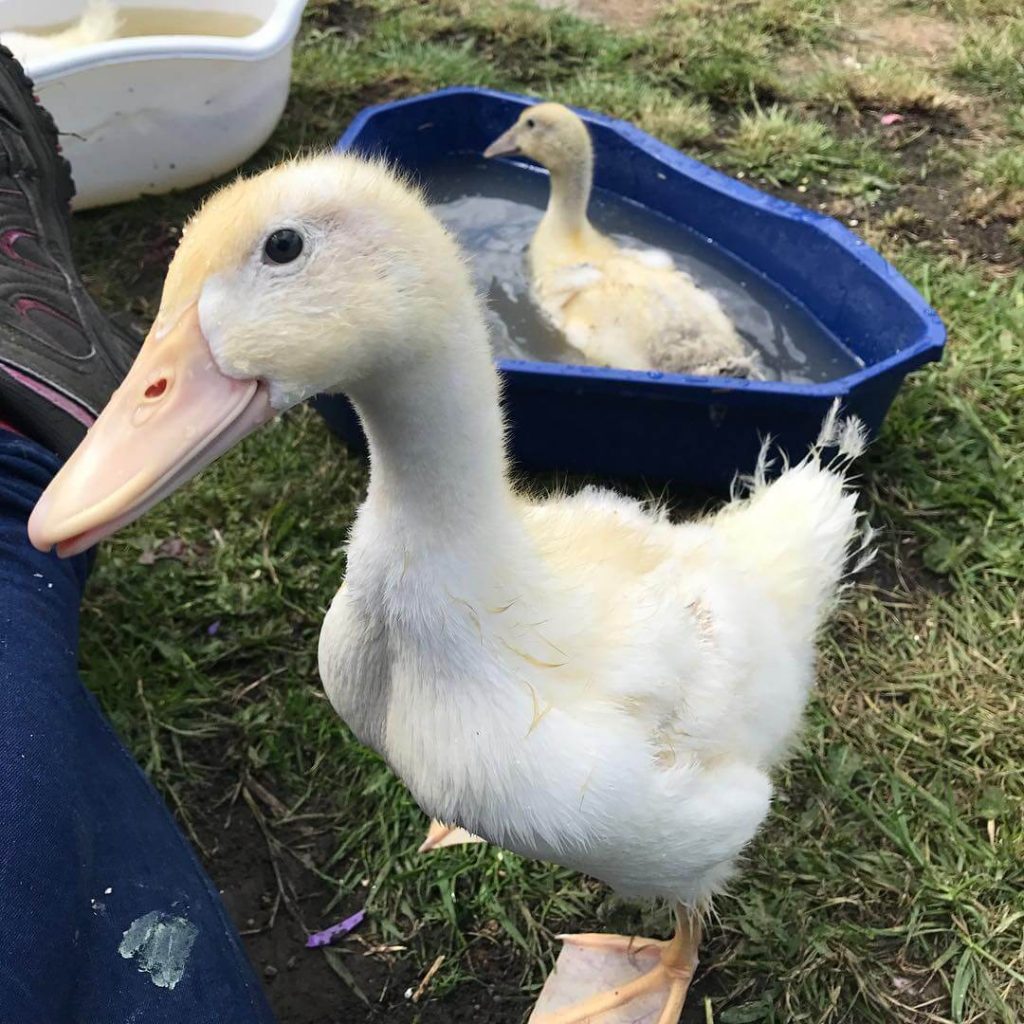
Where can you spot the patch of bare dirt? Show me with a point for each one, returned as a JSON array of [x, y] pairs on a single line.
[[933, 206], [276, 901], [939, 208], [275, 904], [908, 34], [886, 58], [620, 13]]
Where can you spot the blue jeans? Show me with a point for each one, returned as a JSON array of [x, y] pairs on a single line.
[[106, 916]]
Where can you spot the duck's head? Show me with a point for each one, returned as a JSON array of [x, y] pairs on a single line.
[[318, 275], [549, 133]]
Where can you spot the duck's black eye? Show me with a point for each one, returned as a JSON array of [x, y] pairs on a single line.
[[530, 123], [283, 246]]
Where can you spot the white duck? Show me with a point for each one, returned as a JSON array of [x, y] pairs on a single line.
[[629, 308], [575, 679], [99, 22]]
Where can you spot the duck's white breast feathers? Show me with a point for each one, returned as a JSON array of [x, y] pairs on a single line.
[[608, 692]]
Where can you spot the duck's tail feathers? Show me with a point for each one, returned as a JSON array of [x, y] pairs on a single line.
[[845, 436], [799, 529]]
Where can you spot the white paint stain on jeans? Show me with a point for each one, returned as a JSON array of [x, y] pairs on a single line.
[[161, 944]]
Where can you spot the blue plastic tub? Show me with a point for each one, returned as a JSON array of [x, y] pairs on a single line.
[[689, 430]]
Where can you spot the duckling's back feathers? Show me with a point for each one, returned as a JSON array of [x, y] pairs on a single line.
[[633, 309]]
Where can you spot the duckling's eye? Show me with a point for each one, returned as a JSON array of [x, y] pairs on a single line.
[[530, 123], [283, 246]]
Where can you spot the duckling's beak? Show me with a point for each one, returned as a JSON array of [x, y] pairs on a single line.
[[504, 145], [174, 413]]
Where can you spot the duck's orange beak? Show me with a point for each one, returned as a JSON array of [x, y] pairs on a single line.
[[506, 144], [173, 415]]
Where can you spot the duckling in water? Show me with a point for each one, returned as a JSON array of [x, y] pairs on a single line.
[[630, 308]]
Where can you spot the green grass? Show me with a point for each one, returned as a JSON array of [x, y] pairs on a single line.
[[887, 885], [991, 58], [884, 82], [669, 116], [999, 192], [970, 12], [786, 147], [1002, 168]]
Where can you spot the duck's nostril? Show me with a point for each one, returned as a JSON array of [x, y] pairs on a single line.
[[157, 388]]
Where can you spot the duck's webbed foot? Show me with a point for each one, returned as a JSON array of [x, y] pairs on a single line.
[[439, 835], [621, 979]]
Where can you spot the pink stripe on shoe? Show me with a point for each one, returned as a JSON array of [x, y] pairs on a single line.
[[4, 425], [7, 242], [54, 397], [25, 305]]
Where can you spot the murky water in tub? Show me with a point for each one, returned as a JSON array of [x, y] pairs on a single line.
[[494, 209], [173, 21], [162, 21]]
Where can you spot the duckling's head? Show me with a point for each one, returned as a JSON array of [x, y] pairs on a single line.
[[324, 274], [549, 133]]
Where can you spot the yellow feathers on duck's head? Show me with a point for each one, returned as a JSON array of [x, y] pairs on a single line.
[[549, 133]]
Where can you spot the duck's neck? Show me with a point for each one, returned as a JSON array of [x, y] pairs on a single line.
[[571, 182], [437, 465]]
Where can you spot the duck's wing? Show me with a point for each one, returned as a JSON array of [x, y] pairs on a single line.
[[607, 309], [561, 286], [701, 632], [687, 330], [635, 309], [600, 533], [652, 259]]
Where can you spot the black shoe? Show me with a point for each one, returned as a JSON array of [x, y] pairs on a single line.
[[60, 357]]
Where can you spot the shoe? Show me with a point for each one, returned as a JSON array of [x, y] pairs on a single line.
[[61, 357]]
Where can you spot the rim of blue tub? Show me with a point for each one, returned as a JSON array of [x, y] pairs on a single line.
[[928, 347]]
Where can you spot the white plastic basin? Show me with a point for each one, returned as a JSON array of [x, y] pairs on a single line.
[[148, 114]]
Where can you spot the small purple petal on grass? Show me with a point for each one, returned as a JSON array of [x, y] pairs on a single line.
[[213, 628], [888, 119], [336, 931]]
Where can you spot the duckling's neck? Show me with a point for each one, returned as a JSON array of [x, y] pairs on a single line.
[[435, 432], [571, 181]]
